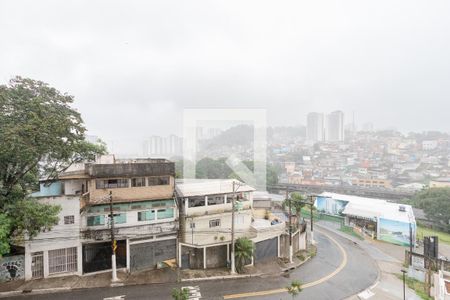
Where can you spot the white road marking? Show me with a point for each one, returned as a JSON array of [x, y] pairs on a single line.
[[194, 292], [115, 297]]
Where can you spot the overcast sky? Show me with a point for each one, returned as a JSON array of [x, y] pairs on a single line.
[[133, 66]]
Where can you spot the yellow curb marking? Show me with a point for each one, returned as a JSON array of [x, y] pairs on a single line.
[[304, 286]]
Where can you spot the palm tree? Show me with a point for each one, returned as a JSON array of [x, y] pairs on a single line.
[[294, 289], [297, 203], [243, 252], [180, 294]]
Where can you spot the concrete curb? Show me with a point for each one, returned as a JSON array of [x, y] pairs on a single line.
[[33, 292], [283, 271], [121, 284], [10, 293], [222, 277]]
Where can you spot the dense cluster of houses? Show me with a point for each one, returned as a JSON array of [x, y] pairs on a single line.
[[158, 221]]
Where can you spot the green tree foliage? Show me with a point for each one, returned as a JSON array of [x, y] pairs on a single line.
[[41, 135], [243, 252], [218, 169], [29, 217], [180, 293], [297, 202], [5, 225], [294, 289], [435, 203]]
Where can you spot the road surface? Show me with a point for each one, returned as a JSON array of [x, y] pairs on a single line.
[[340, 269]]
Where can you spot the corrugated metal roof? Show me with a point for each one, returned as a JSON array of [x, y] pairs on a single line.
[[372, 208]]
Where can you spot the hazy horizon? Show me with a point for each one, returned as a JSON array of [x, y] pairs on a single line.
[[134, 67]]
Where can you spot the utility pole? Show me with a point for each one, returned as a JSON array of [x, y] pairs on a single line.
[[192, 224], [410, 243], [113, 240], [311, 219], [233, 266], [404, 289], [290, 225]]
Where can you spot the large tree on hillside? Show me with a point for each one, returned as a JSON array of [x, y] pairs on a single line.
[[41, 135], [435, 203]]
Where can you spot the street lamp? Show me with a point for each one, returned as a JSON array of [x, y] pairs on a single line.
[[404, 272]]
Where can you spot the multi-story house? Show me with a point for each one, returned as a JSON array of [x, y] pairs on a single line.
[[141, 193], [206, 219]]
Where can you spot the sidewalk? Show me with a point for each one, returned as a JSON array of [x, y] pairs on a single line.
[[389, 262], [48, 285], [271, 267], [66, 283]]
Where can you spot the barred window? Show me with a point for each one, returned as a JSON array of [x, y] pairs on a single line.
[[216, 199], [196, 201], [214, 223], [137, 182], [159, 180], [111, 183], [69, 220], [62, 260]]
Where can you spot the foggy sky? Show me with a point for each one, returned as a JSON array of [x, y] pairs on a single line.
[[133, 66]]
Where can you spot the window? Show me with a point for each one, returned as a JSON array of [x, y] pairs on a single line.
[[119, 218], [196, 201], [165, 213], [69, 220], [111, 183], [95, 220], [214, 223], [217, 199], [62, 260], [137, 182], [160, 180], [147, 215]]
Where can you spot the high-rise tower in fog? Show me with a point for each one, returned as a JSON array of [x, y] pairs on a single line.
[[335, 126], [314, 127], [163, 146]]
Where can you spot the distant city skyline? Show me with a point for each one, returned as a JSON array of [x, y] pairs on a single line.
[[132, 79]]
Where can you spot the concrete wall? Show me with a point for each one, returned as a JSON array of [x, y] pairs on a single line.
[[45, 246], [269, 232], [74, 187], [47, 190], [216, 256], [60, 236], [131, 193], [154, 168], [204, 235], [298, 243], [70, 206], [12, 268]]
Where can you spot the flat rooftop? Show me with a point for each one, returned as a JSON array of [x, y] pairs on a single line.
[[203, 187]]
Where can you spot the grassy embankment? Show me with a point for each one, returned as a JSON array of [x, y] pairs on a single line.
[[416, 285], [424, 231], [323, 217]]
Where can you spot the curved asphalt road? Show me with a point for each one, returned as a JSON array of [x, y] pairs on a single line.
[[358, 273]]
